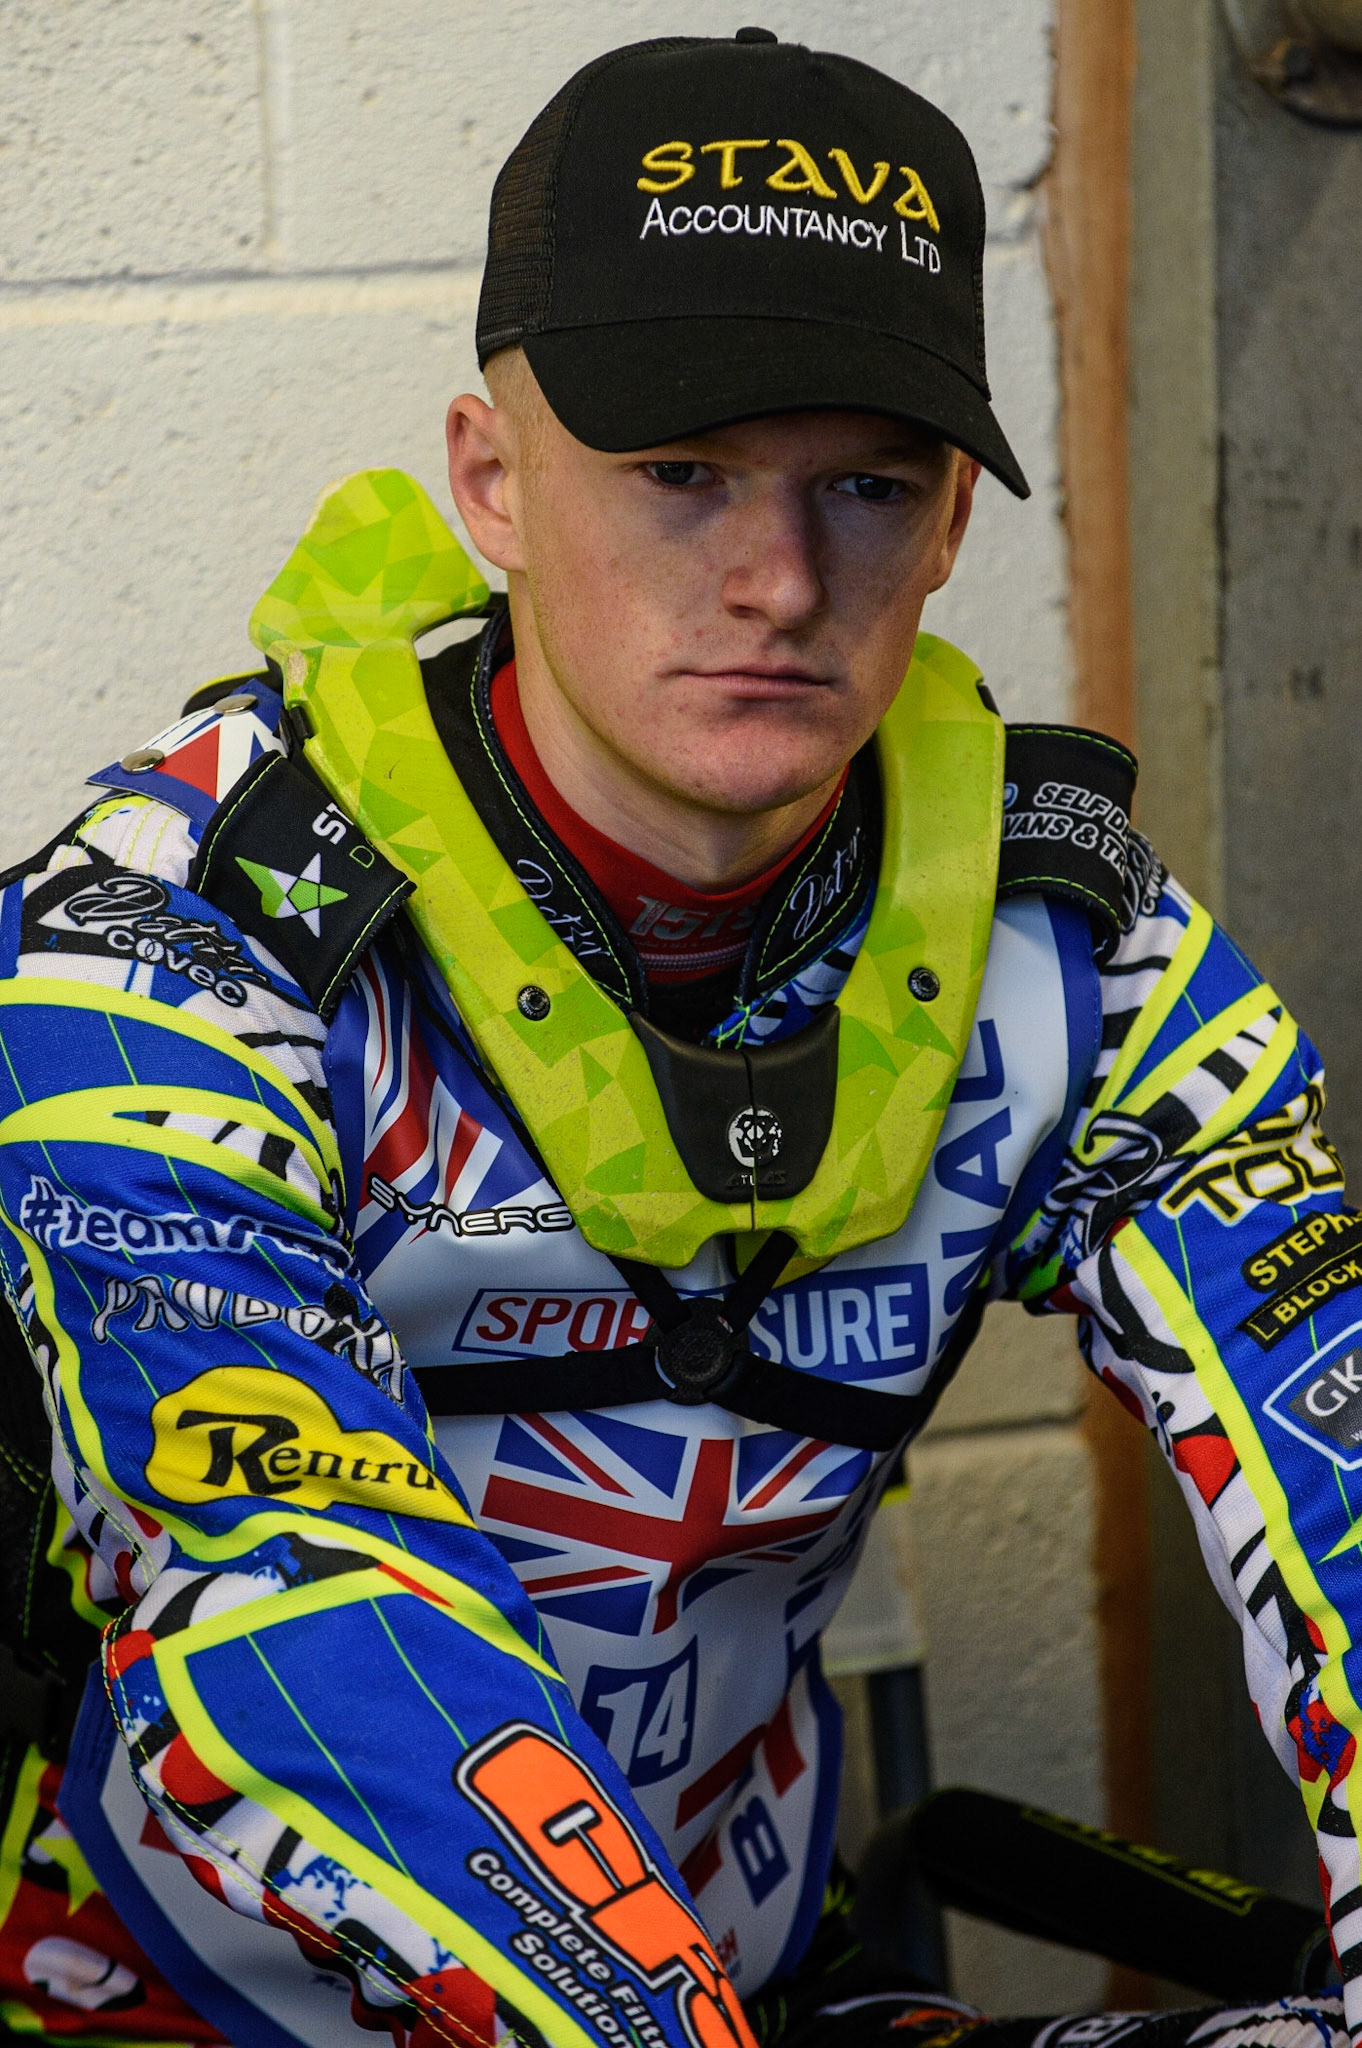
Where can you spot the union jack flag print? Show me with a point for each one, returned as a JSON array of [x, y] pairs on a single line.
[[638, 1524]]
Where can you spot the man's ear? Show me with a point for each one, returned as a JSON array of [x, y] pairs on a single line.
[[962, 504], [483, 449]]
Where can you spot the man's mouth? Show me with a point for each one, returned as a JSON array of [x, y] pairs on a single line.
[[762, 678]]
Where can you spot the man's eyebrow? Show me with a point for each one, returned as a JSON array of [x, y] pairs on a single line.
[[903, 451], [710, 444]]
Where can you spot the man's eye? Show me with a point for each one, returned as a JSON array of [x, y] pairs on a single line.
[[872, 490], [676, 475]]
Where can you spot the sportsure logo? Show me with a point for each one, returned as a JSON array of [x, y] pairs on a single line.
[[872, 1319]]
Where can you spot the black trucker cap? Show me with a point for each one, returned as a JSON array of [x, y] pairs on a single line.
[[696, 231]]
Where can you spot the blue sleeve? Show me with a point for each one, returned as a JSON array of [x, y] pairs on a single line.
[[1198, 1226], [332, 1691]]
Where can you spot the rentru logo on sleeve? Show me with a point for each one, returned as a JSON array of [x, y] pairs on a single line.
[[242, 1431]]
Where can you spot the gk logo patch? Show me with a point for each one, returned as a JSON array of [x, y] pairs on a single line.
[[1322, 1404], [242, 1431], [1331, 1403]]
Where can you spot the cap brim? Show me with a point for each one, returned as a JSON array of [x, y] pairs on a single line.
[[638, 384]]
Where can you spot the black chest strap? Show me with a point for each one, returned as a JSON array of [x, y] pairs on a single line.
[[697, 1355]]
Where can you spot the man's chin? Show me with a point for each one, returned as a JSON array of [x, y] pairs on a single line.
[[743, 794]]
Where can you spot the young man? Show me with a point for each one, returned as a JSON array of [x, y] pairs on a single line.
[[499, 1152]]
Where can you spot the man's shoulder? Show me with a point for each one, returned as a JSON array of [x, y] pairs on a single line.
[[193, 765], [1066, 822], [220, 813], [113, 899]]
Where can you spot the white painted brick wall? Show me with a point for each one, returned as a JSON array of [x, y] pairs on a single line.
[[390, 109], [998, 1534], [239, 243], [131, 140], [164, 448], [238, 255]]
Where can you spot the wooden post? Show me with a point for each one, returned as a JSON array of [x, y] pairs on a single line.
[[1087, 243], [1087, 238]]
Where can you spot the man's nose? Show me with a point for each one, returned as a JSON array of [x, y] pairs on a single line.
[[776, 570]]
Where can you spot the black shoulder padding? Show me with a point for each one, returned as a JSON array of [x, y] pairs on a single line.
[[45, 1646], [1066, 819], [291, 870]]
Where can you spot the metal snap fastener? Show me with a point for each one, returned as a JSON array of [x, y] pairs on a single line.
[[925, 985], [141, 759], [226, 707], [533, 1002]]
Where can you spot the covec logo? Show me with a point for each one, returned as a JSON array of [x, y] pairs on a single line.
[[241, 1430]]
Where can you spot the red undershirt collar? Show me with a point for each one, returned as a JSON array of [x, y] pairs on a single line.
[[680, 933]]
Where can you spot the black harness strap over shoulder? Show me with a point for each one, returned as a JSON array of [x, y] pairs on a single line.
[[293, 871], [1066, 820]]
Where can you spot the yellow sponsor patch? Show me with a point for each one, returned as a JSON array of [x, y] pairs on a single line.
[[242, 1430], [669, 165], [1313, 1240]]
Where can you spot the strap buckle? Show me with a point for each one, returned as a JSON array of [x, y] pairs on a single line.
[[693, 1357], [700, 1345], [37, 1705]]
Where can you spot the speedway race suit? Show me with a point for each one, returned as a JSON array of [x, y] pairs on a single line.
[[468, 1722]]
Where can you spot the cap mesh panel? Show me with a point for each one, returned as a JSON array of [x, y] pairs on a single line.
[[518, 280]]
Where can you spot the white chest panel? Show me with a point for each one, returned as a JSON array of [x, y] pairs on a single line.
[[683, 1560]]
